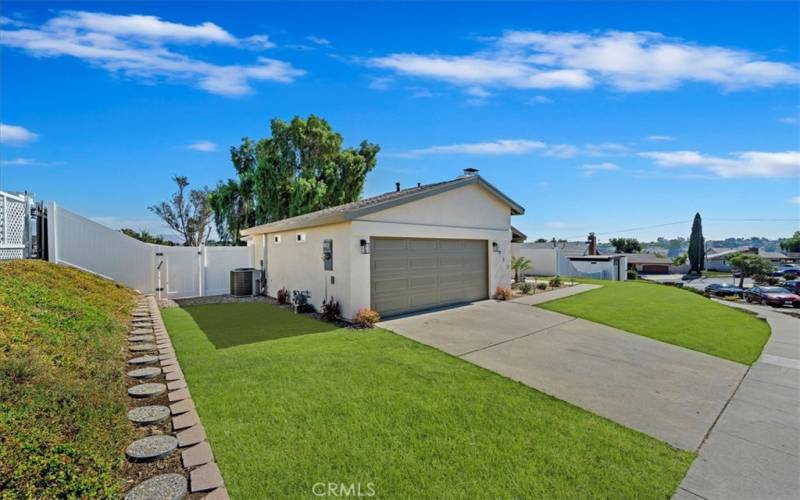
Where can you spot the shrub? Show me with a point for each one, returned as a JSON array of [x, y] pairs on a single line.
[[283, 296], [555, 282], [632, 274], [541, 285], [503, 293], [330, 310], [525, 287], [367, 317]]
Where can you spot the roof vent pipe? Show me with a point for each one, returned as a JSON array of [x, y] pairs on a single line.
[[469, 172], [397, 186]]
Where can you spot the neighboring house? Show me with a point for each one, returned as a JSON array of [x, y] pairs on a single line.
[[648, 263], [517, 239], [552, 258], [774, 257], [402, 251], [718, 259], [606, 267]]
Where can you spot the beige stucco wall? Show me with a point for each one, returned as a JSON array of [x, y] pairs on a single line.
[[298, 265]]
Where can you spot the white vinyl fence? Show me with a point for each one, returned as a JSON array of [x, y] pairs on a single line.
[[173, 272], [14, 230]]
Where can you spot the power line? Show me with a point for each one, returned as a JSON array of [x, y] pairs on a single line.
[[641, 228]]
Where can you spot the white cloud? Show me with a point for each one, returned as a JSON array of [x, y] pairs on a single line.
[[492, 148], [659, 138], [16, 135], [743, 164], [795, 200], [203, 146], [789, 120], [540, 99], [380, 83], [136, 46], [593, 168], [28, 162], [606, 149], [561, 150], [318, 40], [625, 61]]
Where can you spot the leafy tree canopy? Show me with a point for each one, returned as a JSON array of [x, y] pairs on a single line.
[[626, 245], [750, 264], [791, 244], [302, 167], [186, 212]]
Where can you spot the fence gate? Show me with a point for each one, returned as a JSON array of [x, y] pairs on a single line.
[[14, 226], [179, 272]]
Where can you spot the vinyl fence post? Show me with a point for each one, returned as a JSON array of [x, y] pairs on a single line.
[[52, 222]]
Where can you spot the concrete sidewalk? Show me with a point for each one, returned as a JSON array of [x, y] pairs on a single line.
[[753, 451], [541, 297]]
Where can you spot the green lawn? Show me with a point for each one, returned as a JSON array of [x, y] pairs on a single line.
[[359, 407], [670, 315]]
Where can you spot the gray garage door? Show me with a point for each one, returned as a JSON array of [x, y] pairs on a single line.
[[412, 274]]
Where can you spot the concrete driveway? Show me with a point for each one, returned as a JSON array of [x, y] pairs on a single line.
[[668, 392]]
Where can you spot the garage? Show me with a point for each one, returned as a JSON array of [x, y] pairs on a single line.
[[411, 274], [655, 268]]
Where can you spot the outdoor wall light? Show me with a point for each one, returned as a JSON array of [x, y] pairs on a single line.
[[495, 247], [365, 246]]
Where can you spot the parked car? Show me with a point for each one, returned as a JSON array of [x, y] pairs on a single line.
[[724, 289], [774, 296], [793, 286], [786, 271]]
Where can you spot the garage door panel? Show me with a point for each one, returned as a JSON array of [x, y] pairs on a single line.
[[414, 274]]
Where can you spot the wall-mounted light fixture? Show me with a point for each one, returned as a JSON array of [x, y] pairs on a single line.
[[364, 246], [495, 247]]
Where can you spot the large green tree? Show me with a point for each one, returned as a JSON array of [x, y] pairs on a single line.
[[791, 244], [187, 212], [697, 246], [750, 265], [302, 167], [626, 245]]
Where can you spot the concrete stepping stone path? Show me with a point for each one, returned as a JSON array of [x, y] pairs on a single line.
[[162, 487], [151, 448], [147, 415], [142, 347], [147, 372], [143, 360], [147, 390]]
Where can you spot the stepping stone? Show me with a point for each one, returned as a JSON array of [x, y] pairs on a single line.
[[141, 338], [173, 376], [149, 414], [142, 347], [143, 360], [192, 435], [151, 448], [181, 406], [147, 390], [217, 494], [199, 454], [205, 478], [176, 384], [178, 395], [161, 487], [185, 421], [148, 372]]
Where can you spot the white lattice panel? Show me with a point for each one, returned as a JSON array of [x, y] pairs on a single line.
[[13, 217]]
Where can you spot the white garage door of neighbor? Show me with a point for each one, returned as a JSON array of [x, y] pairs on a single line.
[[409, 274]]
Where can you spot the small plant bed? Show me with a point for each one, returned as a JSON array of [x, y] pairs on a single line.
[[369, 407], [533, 286], [671, 315], [63, 425]]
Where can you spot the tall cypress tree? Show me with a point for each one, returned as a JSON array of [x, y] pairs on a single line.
[[696, 245]]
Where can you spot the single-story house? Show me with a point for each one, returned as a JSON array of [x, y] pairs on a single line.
[[718, 259], [402, 251], [648, 263], [517, 240]]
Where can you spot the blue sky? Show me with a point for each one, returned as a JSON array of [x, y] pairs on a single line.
[[595, 117]]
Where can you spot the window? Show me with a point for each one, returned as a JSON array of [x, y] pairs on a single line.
[[300, 238], [327, 254], [276, 239]]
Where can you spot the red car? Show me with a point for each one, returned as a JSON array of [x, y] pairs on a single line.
[[774, 296]]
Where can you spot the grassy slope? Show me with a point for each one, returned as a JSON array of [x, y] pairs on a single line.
[[670, 315], [349, 406], [62, 418]]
